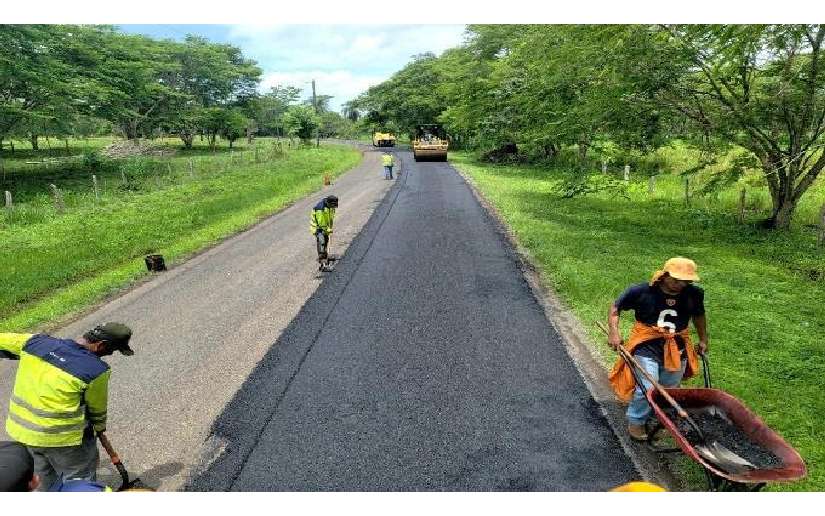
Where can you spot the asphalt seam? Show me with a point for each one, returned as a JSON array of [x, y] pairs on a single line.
[[329, 313]]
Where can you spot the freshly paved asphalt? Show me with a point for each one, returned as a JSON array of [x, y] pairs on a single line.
[[422, 362]]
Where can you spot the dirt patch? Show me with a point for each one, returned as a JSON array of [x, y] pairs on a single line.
[[719, 429], [129, 148]]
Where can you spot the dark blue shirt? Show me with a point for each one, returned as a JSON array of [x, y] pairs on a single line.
[[653, 307]]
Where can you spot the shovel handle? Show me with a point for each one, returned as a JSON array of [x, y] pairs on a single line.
[[631, 361], [107, 445]]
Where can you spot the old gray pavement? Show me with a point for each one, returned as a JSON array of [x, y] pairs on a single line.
[[423, 362], [200, 328]]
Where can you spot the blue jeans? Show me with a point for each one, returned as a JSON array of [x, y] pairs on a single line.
[[638, 411], [388, 172]]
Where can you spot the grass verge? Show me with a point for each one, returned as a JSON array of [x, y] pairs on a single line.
[[59, 266], [763, 291]]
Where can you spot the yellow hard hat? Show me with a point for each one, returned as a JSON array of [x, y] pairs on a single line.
[[638, 487]]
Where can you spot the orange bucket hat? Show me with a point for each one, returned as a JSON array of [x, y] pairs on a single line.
[[679, 268]]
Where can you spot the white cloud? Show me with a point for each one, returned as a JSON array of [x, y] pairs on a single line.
[[344, 59]]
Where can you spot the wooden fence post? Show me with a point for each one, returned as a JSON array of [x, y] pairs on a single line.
[[123, 178], [687, 191], [191, 168], [257, 160], [742, 199], [627, 172], [822, 226], [651, 185], [604, 167], [169, 168], [97, 190], [59, 205], [9, 205]]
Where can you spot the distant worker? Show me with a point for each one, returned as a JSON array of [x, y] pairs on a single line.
[[320, 225], [660, 338], [60, 398], [388, 161]]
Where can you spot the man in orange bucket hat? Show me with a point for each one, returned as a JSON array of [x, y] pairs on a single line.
[[660, 339]]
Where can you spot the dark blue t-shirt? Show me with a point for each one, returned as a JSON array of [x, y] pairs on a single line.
[[653, 307]]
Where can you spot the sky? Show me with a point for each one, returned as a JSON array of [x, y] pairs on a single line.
[[344, 60]]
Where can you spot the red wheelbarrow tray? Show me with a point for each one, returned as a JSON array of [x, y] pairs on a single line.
[[792, 468]]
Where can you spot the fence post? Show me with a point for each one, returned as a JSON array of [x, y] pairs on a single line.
[[97, 190], [256, 155], [59, 205], [627, 172], [742, 198], [604, 167], [651, 185], [687, 191], [169, 168], [191, 168], [123, 178], [9, 205], [822, 226]]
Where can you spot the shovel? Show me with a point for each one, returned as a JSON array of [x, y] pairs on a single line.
[[127, 484], [713, 451]]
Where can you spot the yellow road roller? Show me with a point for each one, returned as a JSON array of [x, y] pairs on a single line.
[[380, 139], [430, 143]]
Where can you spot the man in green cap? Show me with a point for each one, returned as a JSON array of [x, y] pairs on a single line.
[[60, 398]]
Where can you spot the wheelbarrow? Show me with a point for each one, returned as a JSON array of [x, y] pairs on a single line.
[[790, 465]]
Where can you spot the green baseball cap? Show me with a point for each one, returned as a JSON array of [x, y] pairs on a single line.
[[115, 334]]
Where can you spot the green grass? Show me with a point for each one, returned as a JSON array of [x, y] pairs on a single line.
[[765, 312], [56, 264]]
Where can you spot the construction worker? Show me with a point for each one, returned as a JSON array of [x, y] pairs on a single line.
[[60, 398], [660, 339], [320, 225], [388, 162]]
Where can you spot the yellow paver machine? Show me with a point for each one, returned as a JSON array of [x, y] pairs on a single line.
[[430, 143], [380, 139]]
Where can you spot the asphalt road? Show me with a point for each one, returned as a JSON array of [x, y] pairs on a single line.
[[200, 329], [423, 362]]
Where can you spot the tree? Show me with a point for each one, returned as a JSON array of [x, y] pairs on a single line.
[[301, 121], [761, 87], [234, 125]]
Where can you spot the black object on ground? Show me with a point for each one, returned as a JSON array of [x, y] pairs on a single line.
[[154, 262], [718, 428]]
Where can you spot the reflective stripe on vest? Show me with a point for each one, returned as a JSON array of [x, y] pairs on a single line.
[[57, 429], [47, 413]]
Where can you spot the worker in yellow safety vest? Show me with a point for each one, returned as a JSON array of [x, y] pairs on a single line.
[[388, 161], [321, 220], [60, 398]]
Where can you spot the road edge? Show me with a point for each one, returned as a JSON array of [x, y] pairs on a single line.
[[579, 347]]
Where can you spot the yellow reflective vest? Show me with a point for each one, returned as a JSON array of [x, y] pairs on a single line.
[[60, 389], [387, 160], [322, 217]]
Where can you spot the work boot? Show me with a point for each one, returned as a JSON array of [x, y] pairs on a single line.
[[637, 432]]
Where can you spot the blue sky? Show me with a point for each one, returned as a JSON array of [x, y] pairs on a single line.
[[344, 60]]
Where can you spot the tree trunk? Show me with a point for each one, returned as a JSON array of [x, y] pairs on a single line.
[[781, 189], [550, 151], [187, 138], [33, 139], [782, 215]]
